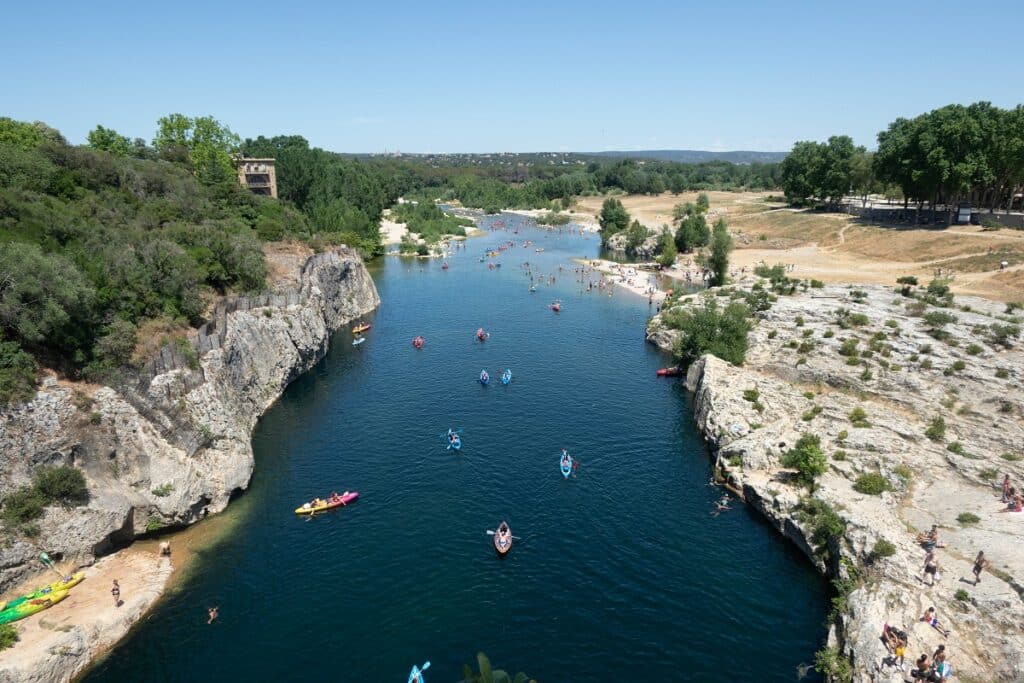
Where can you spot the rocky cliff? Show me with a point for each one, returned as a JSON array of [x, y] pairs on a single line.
[[171, 442], [818, 358]]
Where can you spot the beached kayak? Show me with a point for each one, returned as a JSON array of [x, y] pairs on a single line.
[[327, 504], [359, 329], [28, 607], [565, 464], [503, 539], [63, 585]]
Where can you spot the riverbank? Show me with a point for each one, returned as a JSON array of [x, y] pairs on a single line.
[[173, 445], [816, 360]]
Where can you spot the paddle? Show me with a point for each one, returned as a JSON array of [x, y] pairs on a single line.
[[414, 675], [515, 538], [45, 559]]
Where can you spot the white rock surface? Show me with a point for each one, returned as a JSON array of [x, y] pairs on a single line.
[[982, 412]]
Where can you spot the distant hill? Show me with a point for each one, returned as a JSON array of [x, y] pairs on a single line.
[[696, 156]]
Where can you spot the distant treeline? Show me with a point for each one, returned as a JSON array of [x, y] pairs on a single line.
[[952, 154]]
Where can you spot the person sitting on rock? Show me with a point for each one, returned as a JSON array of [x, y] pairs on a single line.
[[932, 620]]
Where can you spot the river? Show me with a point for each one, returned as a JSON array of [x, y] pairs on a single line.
[[620, 574]]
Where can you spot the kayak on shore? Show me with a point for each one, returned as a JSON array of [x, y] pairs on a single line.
[[321, 504], [27, 606], [13, 610]]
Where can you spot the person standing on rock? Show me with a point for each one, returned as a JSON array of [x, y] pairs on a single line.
[[931, 567], [1006, 489], [116, 592], [980, 563]]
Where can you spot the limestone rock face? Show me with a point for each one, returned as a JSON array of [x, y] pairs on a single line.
[[617, 242], [171, 444], [798, 379]]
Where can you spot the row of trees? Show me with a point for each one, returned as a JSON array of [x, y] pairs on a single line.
[[955, 153]]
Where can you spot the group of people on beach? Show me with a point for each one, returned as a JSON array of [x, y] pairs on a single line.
[[934, 669]]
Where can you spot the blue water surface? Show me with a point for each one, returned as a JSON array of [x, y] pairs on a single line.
[[619, 574]]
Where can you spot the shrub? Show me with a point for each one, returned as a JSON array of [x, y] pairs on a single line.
[[153, 524], [817, 284], [925, 349], [882, 549], [792, 344], [799, 321], [807, 333], [936, 430], [1002, 373], [974, 349], [422, 250], [858, 418], [1005, 407], [939, 319], [1010, 457], [8, 636], [958, 365], [903, 472], [807, 458], [164, 490], [710, 329], [839, 455], [1003, 335], [805, 347], [828, 334], [63, 484], [871, 483], [812, 413], [926, 364], [751, 395], [956, 447], [967, 518], [907, 280], [736, 460], [849, 348], [988, 473], [773, 334], [842, 435], [826, 525], [17, 374], [23, 505], [891, 323], [809, 395], [866, 375], [962, 595]]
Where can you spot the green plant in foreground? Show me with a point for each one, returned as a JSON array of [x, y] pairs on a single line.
[[831, 664], [750, 395], [63, 484], [488, 675], [23, 505], [962, 595], [871, 483], [967, 518], [8, 636]]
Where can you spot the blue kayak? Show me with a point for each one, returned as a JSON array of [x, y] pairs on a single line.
[[565, 464], [416, 674], [484, 377], [455, 443], [506, 377]]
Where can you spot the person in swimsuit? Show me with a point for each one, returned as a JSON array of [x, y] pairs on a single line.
[[116, 592], [980, 563], [929, 618], [213, 613], [1006, 489]]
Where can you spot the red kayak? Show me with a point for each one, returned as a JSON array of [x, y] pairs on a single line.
[[482, 334], [418, 342], [670, 372]]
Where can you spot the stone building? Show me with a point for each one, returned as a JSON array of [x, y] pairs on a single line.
[[258, 175]]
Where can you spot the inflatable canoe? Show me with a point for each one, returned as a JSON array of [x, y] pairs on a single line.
[[343, 499], [28, 606], [565, 464], [503, 539], [359, 329]]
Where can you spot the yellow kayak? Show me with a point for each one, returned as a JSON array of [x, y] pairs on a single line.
[[54, 587], [360, 328], [30, 606]]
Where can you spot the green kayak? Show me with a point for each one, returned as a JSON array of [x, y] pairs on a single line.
[[39, 599]]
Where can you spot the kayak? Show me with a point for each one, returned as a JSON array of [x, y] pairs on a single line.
[[482, 334], [506, 376], [416, 674], [565, 464], [418, 342], [503, 539], [63, 585], [444, 266], [358, 329], [670, 372], [556, 307], [343, 499], [358, 340], [484, 377], [26, 608], [455, 443]]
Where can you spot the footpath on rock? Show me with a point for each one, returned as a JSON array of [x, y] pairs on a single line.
[[911, 404]]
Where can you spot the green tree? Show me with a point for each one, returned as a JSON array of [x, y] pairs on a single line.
[[64, 485], [807, 458], [668, 249], [710, 329], [703, 203], [110, 141], [17, 374], [636, 234], [614, 218], [27, 136], [693, 231], [207, 144], [800, 170], [718, 260]]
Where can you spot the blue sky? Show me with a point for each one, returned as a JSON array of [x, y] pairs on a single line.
[[512, 76]]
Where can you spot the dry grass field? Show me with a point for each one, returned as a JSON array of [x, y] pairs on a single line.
[[839, 248]]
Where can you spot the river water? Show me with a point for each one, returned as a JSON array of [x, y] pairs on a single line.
[[620, 574]]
